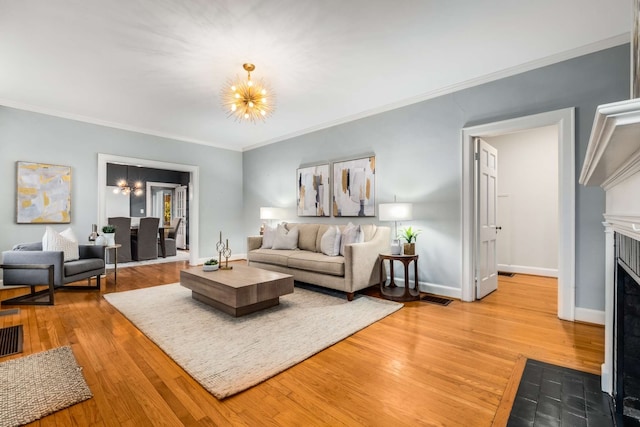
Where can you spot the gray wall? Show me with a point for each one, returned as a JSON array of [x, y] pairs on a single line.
[[419, 159], [41, 138]]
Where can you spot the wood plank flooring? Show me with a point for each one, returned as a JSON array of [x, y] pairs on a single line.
[[423, 365]]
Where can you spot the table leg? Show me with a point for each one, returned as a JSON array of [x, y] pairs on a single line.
[[392, 283], [115, 266], [163, 250], [407, 292], [415, 273]]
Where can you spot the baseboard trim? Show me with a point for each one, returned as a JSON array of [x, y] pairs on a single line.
[[588, 315], [233, 257], [433, 288], [523, 269]]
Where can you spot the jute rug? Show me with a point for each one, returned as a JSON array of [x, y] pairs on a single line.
[[227, 355], [38, 385]]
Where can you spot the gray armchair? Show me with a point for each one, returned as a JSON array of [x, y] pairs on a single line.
[[27, 264]]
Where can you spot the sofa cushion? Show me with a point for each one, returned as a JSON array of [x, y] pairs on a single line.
[[307, 236], [82, 266], [351, 234], [330, 242], [368, 231], [319, 263], [286, 239], [270, 256], [268, 237]]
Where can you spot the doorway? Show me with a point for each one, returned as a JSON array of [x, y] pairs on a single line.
[[192, 199], [564, 120]]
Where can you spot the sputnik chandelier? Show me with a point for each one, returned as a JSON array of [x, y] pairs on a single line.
[[247, 100]]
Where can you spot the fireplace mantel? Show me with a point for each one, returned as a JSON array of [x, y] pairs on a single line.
[[612, 162]]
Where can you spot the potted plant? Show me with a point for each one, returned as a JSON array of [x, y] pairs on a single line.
[[109, 232], [409, 235], [211, 265]]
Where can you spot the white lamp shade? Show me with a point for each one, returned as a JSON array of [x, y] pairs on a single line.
[[271, 213], [395, 211]]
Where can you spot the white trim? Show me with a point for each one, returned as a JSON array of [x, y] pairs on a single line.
[[194, 191], [590, 316], [523, 269], [528, 66], [431, 288], [508, 72], [95, 121], [233, 257], [610, 265], [565, 120]]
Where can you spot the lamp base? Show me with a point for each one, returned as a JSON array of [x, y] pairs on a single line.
[[396, 248]]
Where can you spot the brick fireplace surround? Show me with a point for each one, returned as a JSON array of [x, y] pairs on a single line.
[[612, 162]]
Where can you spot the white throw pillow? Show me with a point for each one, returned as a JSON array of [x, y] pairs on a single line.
[[330, 241], [286, 239], [351, 234], [268, 237], [66, 242]]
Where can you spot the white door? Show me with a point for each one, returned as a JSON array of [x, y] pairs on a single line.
[[181, 212], [487, 181], [504, 234]]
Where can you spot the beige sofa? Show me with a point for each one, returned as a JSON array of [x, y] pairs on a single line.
[[356, 270]]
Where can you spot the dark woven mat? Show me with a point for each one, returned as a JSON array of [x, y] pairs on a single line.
[[10, 340], [550, 395]]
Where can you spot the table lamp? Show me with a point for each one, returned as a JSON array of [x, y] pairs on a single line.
[[395, 212], [269, 214]]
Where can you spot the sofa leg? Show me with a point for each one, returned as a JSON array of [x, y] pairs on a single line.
[[350, 296]]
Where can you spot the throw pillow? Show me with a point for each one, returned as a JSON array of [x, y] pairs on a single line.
[[67, 242], [330, 242], [351, 234], [268, 237], [286, 239]]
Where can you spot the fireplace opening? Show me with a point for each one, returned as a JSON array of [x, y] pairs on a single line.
[[627, 331]]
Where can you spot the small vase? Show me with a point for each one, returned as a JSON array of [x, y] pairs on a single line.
[[409, 248], [101, 241], [110, 239]]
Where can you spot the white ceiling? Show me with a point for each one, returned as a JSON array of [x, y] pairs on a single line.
[[158, 66]]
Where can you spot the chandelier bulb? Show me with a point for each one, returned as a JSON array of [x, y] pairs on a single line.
[[233, 107], [250, 104], [249, 82], [246, 115], [264, 92]]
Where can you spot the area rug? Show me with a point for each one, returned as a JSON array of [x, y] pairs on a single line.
[[38, 385], [227, 355]]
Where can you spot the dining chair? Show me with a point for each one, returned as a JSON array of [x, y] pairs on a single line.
[[123, 237], [144, 245], [170, 239]]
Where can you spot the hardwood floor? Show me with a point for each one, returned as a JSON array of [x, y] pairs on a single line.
[[423, 365]]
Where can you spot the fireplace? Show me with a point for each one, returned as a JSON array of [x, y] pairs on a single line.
[[626, 346]]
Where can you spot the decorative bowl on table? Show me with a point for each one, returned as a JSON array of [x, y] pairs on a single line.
[[211, 265]]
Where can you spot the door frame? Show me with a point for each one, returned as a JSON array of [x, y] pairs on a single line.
[[565, 121], [192, 197]]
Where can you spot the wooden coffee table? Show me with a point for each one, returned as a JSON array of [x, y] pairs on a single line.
[[239, 291]]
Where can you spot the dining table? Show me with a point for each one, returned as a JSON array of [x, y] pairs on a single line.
[[161, 233]]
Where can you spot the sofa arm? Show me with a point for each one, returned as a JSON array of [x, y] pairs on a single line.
[[32, 277], [361, 260], [254, 242], [91, 251]]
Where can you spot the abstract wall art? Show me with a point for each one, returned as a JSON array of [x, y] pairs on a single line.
[[43, 193], [313, 191], [354, 187]]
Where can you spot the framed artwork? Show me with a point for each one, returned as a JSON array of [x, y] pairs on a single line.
[[354, 187], [635, 51], [43, 193], [313, 191]]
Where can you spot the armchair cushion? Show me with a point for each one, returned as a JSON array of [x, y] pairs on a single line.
[[65, 242]]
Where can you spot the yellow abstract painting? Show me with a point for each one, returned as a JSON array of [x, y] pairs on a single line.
[[43, 193]]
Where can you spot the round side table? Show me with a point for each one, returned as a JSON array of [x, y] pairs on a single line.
[[392, 291], [115, 260]]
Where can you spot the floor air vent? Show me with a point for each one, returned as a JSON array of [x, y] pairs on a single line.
[[10, 340], [504, 273], [9, 312], [436, 300]]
